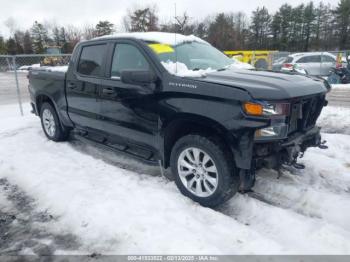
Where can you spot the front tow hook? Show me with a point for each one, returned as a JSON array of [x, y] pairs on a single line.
[[323, 145], [298, 165]]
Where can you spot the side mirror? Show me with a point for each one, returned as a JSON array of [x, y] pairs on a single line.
[[138, 77]]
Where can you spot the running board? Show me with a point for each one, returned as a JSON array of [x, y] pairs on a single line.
[[125, 150]]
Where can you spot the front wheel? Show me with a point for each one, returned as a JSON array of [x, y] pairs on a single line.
[[51, 124], [203, 170]]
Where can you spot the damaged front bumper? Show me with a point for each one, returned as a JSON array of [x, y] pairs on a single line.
[[275, 154]]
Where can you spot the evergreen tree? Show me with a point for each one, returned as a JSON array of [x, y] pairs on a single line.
[[142, 20], [286, 21], [11, 46], [319, 16], [56, 36], [296, 30], [39, 38], [328, 30], [2, 45], [276, 30], [342, 13], [309, 18], [27, 43], [201, 30], [260, 27], [221, 32], [240, 21], [104, 28]]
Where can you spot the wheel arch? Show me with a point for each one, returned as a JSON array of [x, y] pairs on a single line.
[[185, 124], [40, 99]]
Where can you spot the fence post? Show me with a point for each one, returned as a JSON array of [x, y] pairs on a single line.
[[17, 85]]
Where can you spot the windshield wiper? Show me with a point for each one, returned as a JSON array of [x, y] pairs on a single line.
[[222, 69]]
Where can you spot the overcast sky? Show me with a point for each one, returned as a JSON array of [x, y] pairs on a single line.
[[80, 12]]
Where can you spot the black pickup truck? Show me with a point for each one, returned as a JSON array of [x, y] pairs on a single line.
[[178, 102]]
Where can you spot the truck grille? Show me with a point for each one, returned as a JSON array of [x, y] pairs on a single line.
[[304, 113]]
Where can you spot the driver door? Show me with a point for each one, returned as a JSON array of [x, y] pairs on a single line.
[[128, 115]]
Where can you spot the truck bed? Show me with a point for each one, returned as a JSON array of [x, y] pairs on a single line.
[[49, 82]]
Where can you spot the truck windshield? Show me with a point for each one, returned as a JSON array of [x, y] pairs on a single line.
[[195, 55]]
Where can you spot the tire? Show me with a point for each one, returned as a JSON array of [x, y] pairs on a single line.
[[261, 64], [212, 156], [51, 124]]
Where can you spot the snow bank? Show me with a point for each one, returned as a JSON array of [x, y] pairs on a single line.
[[28, 67], [159, 37], [57, 68], [341, 86], [335, 120]]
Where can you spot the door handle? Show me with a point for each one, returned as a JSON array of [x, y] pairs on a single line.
[[72, 85], [108, 91]]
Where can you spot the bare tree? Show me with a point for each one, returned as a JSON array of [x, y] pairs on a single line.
[[183, 23], [89, 32], [11, 24]]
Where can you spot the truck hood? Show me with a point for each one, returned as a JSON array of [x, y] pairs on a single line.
[[268, 85]]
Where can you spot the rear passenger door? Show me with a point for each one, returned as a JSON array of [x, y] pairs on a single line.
[[83, 86], [311, 63]]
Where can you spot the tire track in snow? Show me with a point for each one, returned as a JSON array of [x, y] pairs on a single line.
[[306, 193], [23, 228], [287, 227]]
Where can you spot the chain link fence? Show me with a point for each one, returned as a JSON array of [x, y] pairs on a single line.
[[14, 71]]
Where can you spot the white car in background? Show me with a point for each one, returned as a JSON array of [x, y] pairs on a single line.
[[314, 63]]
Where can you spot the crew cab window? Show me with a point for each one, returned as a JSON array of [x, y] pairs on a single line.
[[91, 60], [310, 59], [127, 57]]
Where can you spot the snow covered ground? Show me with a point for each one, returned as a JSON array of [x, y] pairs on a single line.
[[101, 202]]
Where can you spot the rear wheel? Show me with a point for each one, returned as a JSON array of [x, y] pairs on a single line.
[[51, 124], [203, 170], [261, 64]]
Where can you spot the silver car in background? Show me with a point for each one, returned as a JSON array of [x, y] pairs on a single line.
[[314, 63]]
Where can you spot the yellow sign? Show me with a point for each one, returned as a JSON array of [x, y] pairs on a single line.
[[161, 48]]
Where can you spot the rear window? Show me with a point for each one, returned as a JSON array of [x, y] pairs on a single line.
[[289, 59], [91, 60]]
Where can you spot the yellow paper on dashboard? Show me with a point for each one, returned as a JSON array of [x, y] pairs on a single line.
[[161, 48]]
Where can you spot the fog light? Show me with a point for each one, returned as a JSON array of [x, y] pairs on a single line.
[[272, 132], [268, 131]]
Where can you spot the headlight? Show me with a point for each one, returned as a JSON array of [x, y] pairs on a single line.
[[262, 108], [277, 112]]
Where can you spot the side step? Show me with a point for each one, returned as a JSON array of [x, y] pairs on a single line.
[[125, 150]]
